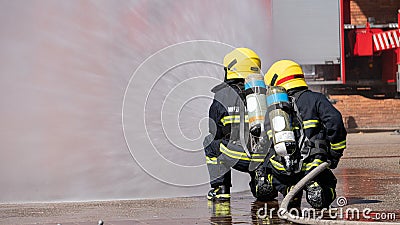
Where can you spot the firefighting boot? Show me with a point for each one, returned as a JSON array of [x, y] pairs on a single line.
[[264, 189], [315, 196], [220, 193]]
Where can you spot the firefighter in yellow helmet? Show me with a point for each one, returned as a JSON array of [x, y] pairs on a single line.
[[287, 74], [318, 125], [241, 62], [222, 146]]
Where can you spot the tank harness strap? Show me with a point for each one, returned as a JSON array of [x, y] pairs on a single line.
[[242, 129], [303, 139], [304, 143]]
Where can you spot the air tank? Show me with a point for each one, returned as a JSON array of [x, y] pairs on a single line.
[[256, 103], [278, 107]]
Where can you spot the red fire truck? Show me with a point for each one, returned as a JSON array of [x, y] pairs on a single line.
[[338, 57]]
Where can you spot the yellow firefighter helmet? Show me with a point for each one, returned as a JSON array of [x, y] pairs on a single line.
[[241, 62], [285, 73]]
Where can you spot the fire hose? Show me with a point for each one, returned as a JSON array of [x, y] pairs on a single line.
[[285, 214]]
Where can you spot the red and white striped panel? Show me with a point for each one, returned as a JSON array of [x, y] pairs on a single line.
[[386, 40]]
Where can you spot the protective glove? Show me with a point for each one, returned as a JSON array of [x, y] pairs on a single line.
[[334, 157]]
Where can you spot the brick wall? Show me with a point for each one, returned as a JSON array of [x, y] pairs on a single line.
[[359, 112], [384, 11]]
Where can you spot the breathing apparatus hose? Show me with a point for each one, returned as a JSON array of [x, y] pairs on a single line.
[[303, 220]]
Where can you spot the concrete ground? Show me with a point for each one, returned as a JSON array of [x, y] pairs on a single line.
[[368, 178]]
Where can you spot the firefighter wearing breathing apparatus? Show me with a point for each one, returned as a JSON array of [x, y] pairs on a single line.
[[305, 130], [227, 146]]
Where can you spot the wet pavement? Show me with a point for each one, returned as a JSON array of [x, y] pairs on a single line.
[[368, 178]]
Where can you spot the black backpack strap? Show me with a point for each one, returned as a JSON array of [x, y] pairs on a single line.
[[294, 99], [297, 95], [303, 139]]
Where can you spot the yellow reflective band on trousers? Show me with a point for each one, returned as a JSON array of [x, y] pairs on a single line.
[[288, 189], [270, 176], [338, 146], [276, 164], [309, 166], [233, 119], [333, 193], [258, 157], [240, 155], [305, 167], [211, 160]]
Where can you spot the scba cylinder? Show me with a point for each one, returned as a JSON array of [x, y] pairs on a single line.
[[278, 107], [256, 103]]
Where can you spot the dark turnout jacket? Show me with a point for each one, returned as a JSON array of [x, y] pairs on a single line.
[[322, 123]]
